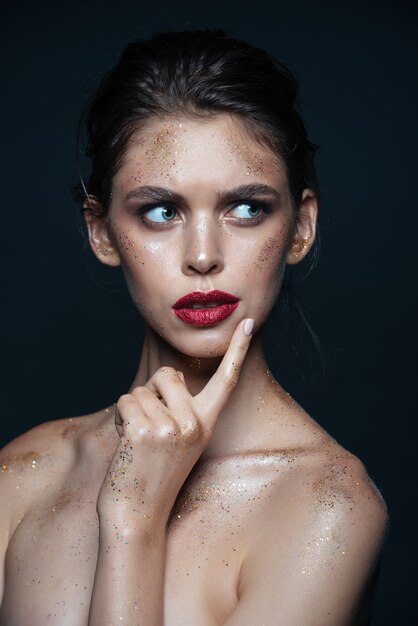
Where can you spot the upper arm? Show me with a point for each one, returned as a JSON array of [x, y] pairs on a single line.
[[8, 492], [315, 566], [4, 532], [22, 476]]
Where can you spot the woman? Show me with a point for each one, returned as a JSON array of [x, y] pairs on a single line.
[[206, 495]]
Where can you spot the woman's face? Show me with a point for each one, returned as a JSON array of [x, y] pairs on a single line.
[[199, 205]]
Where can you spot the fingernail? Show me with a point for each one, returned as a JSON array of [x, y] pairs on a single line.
[[248, 326]]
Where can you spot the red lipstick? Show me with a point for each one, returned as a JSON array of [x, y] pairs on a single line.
[[221, 306]]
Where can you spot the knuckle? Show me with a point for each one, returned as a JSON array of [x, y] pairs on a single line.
[[124, 401], [141, 394], [191, 430], [141, 432], [166, 431], [138, 390]]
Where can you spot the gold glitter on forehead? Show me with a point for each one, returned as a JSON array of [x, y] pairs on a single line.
[[164, 147], [136, 175], [256, 161]]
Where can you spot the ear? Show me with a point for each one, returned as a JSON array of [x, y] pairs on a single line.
[[100, 237], [305, 228]]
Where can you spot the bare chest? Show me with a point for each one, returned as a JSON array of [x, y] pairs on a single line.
[[51, 560]]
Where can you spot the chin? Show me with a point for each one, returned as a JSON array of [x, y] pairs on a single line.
[[203, 343], [204, 350]]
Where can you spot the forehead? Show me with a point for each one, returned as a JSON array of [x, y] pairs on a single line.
[[180, 150]]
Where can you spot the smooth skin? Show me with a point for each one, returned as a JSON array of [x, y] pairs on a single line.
[[207, 496]]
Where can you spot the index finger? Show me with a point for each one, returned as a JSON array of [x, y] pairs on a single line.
[[215, 394]]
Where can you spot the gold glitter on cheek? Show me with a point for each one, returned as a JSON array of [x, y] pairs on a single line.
[[269, 254], [125, 241]]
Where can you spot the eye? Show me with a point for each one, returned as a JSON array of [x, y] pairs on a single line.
[[160, 214], [248, 210]]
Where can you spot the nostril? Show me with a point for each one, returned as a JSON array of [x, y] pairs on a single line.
[[202, 254], [202, 268]]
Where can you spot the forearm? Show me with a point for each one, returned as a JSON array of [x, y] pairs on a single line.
[[129, 582]]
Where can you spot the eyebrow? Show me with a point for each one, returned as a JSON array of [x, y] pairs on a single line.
[[162, 194]]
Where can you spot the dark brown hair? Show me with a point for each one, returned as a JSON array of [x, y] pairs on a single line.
[[194, 73]]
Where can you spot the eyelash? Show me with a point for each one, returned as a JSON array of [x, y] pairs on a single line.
[[265, 207]]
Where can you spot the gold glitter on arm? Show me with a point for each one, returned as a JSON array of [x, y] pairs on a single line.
[[330, 489], [20, 462], [70, 430]]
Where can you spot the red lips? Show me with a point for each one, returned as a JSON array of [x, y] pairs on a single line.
[[226, 302], [200, 297]]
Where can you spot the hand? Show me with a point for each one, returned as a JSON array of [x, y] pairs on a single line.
[[163, 430]]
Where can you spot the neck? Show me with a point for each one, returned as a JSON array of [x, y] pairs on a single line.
[[241, 421]]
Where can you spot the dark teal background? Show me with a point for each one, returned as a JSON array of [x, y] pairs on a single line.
[[70, 336]]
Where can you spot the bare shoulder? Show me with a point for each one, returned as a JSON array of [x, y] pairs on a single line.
[[333, 467], [41, 443], [35, 465], [37, 459], [322, 531], [326, 480], [331, 484], [337, 483], [326, 503]]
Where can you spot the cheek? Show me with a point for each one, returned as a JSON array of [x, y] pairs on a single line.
[[267, 270], [141, 284], [142, 271], [269, 257], [128, 250]]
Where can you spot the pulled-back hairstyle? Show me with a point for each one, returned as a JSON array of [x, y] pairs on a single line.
[[194, 73], [198, 73]]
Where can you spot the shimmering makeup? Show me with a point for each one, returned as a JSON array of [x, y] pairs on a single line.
[[160, 156], [255, 164], [252, 478], [204, 169], [331, 488], [269, 253], [70, 430], [20, 462]]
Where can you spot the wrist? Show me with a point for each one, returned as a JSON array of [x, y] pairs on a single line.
[[127, 525]]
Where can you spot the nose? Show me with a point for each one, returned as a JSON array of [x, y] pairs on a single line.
[[202, 252]]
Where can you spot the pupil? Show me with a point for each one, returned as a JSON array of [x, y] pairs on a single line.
[[168, 213]]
